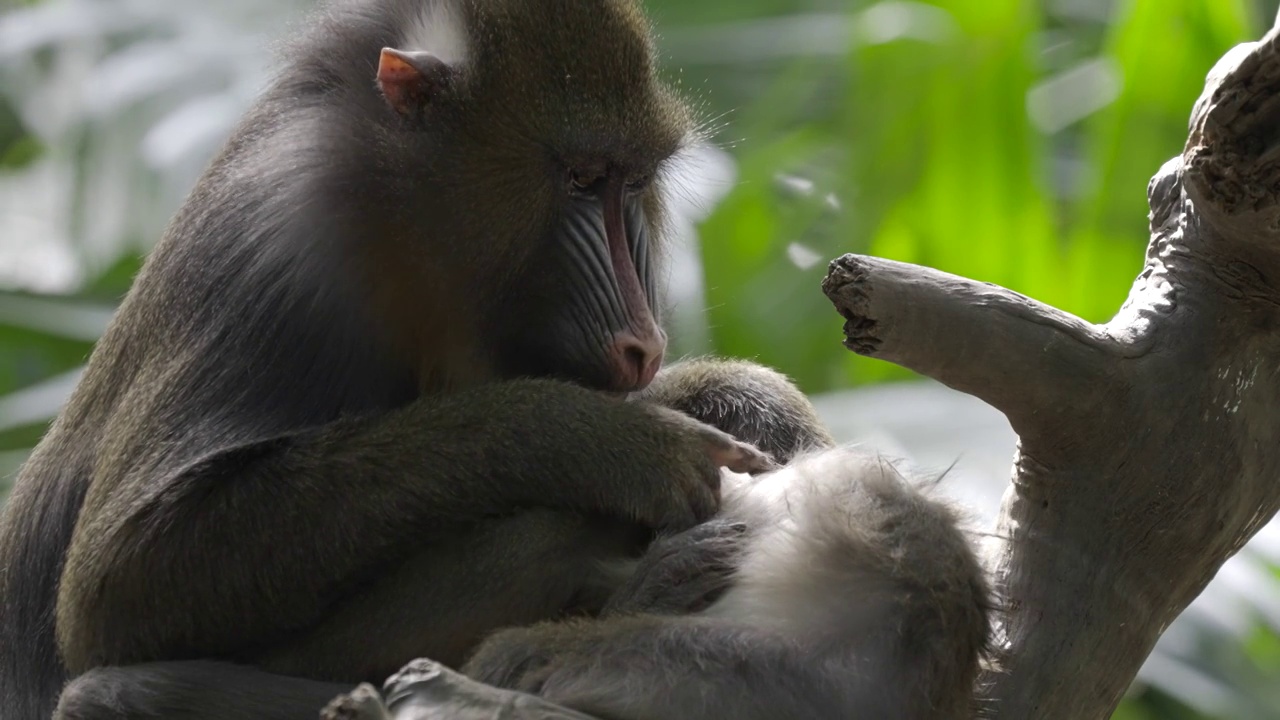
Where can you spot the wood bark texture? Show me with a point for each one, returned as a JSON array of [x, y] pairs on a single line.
[[1149, 446]]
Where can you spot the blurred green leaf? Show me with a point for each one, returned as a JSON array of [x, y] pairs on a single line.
[[934, 163], [114, 282], [28, 355], [42, 339], [1162, 50], [1132, 710], [1264, 650], [18, 147]]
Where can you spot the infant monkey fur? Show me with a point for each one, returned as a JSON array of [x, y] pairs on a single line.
[[854, 594]]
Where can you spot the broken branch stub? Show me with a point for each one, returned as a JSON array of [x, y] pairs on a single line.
[[1149, 446]]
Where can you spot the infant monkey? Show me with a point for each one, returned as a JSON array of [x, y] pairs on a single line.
[[831, 588]]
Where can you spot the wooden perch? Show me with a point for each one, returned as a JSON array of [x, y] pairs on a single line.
[[1149, 446]]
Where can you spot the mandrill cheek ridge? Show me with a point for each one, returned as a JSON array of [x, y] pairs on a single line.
[[585, 246], [609, 300], [589, 256], [638, 234]]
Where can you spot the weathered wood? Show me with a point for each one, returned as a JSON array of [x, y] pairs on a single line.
[[1149, 446]]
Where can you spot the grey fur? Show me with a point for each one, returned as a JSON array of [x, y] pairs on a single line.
[[856, 595]]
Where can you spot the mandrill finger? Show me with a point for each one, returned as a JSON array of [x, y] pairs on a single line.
[[743, 458], [722, 448], [735, 455]]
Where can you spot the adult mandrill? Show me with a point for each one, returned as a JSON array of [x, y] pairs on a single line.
[[351, 412], [361, 404]]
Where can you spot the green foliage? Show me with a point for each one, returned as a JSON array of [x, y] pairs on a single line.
[[32, 355], [1155, 705], [934, 159], [1163, 51], [42, 340], [18, 148]]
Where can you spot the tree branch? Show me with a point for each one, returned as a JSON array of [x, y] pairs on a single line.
[[1148, 447], [1007, 349]]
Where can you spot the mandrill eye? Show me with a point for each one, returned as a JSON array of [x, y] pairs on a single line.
[[638, 183], [583, 183]]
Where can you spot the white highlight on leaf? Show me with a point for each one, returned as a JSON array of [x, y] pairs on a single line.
[[891, 21], [794, 185], [802, 256], [1073, 95]]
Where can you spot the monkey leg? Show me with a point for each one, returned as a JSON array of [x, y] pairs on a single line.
[[751, 402], [193, 690], [440, 603], [647, 667]]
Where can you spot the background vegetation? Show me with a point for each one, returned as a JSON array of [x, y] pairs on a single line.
[[1005, 140]]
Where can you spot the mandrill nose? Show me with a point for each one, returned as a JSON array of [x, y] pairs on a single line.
[[634, 359]]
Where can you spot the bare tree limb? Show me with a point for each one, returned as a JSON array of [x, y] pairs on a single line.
[[1149, 446], [1013, 352]]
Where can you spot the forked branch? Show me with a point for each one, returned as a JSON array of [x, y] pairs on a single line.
[[1149, 449]]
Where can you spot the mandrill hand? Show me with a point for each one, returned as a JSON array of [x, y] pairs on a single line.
[[683, 573]]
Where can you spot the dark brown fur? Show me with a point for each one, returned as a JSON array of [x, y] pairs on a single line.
[[319, 397], [349, 414], [753, 403]]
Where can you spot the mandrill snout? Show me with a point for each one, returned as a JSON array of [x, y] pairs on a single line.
[[635, 358]]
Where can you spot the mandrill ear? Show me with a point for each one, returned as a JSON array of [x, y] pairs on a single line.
[[411, 80]]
